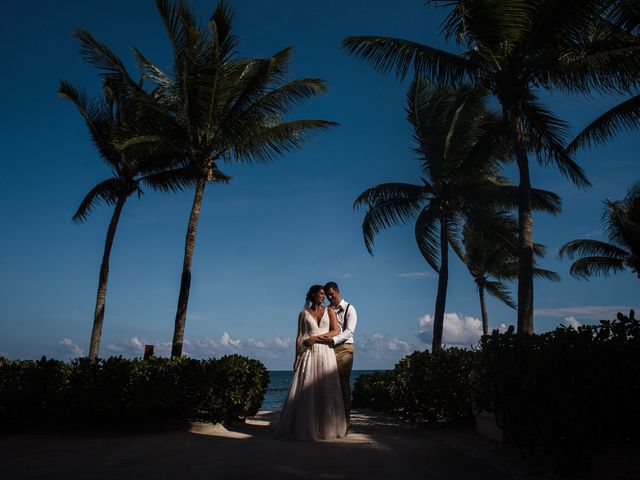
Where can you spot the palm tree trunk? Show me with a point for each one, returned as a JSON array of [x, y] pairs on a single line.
[[483, 309], [525, 228], [443, 278], [101, 297], [185, 281]]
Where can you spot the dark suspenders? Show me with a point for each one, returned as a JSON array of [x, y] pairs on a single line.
[[344, 322]]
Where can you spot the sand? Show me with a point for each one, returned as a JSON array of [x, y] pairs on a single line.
[[377, 447]]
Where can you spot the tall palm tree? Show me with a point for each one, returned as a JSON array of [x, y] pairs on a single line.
[[490, 253], [515, 48], [448, 128], [221, 107], [621, 219], [108, 120]]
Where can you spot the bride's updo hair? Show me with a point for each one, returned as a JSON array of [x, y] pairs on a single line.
[[313, 290]]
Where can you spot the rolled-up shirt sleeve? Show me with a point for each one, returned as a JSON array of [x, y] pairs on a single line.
[[350, 321]]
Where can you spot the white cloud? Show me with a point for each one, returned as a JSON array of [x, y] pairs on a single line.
[[226, 341], [591, 312], [380, 347], [134, 347], [457, 329], [416, 275], [252, 342], [69, 347], [116, 348], [571, 322]]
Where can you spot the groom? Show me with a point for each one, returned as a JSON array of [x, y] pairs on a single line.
[[343, 342]]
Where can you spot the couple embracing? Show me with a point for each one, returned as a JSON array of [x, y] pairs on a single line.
[[318, 404]]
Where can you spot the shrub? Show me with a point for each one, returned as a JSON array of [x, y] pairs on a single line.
[[565, 393], [424, 387], [119, 391], [374, 391]]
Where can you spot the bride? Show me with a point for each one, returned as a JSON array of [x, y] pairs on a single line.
[[314, 408]]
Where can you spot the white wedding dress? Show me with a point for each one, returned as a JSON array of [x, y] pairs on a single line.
[[313, 409]]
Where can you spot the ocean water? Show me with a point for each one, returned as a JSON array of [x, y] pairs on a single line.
[[279, 382]]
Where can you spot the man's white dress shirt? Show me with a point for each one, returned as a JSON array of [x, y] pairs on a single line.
[[346, 334]]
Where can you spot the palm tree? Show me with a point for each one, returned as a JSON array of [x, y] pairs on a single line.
[[625, 116], [108, 119], [515, 48], [490, 253], [621, 219], [221, 107], [448, 128]]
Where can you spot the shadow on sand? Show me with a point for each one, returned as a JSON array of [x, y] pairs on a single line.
[[377, 447]]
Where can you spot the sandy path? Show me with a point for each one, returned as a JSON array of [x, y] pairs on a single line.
[[377, 448]]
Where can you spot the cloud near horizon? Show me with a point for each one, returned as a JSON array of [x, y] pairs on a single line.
[[571, 321], [68, 347], [457, 329], [377, 350], [591, 312], [417, 275]]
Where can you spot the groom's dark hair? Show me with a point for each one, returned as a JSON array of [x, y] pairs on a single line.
[[333, 285]]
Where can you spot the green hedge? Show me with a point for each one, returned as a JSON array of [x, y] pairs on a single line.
[[561, 395], [424, 387], [117, 391]]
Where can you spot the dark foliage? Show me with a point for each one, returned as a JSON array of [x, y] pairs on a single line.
[[564, 394], [120, 392], [425, 387]]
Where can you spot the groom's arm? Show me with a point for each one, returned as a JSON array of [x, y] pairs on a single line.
[[350, 321]]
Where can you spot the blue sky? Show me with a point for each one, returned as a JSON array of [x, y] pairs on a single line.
[[276, 229]]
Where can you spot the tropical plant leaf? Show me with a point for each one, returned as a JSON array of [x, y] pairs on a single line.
[[428, 237], [388, 204], [387, 54], [500, 291], [106, 191], [586, 267], [268, 143], [96, 116]]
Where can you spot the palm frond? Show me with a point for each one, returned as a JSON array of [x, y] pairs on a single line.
[[96, 116], [100, 55], [387, 54], [591, 248], [545, 274], [427, 236], [488, 23], [269, 143], [606, 62], [387, 204], [500, 291], [547, 138], [174, 180], [586, 267], [152, 72], [624, 116], [618, 227], [507, 197], [106, 191], [277, 102], [221, 23]]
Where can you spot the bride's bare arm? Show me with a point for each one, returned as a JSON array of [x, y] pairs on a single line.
[[333, 325], [299, 335]]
